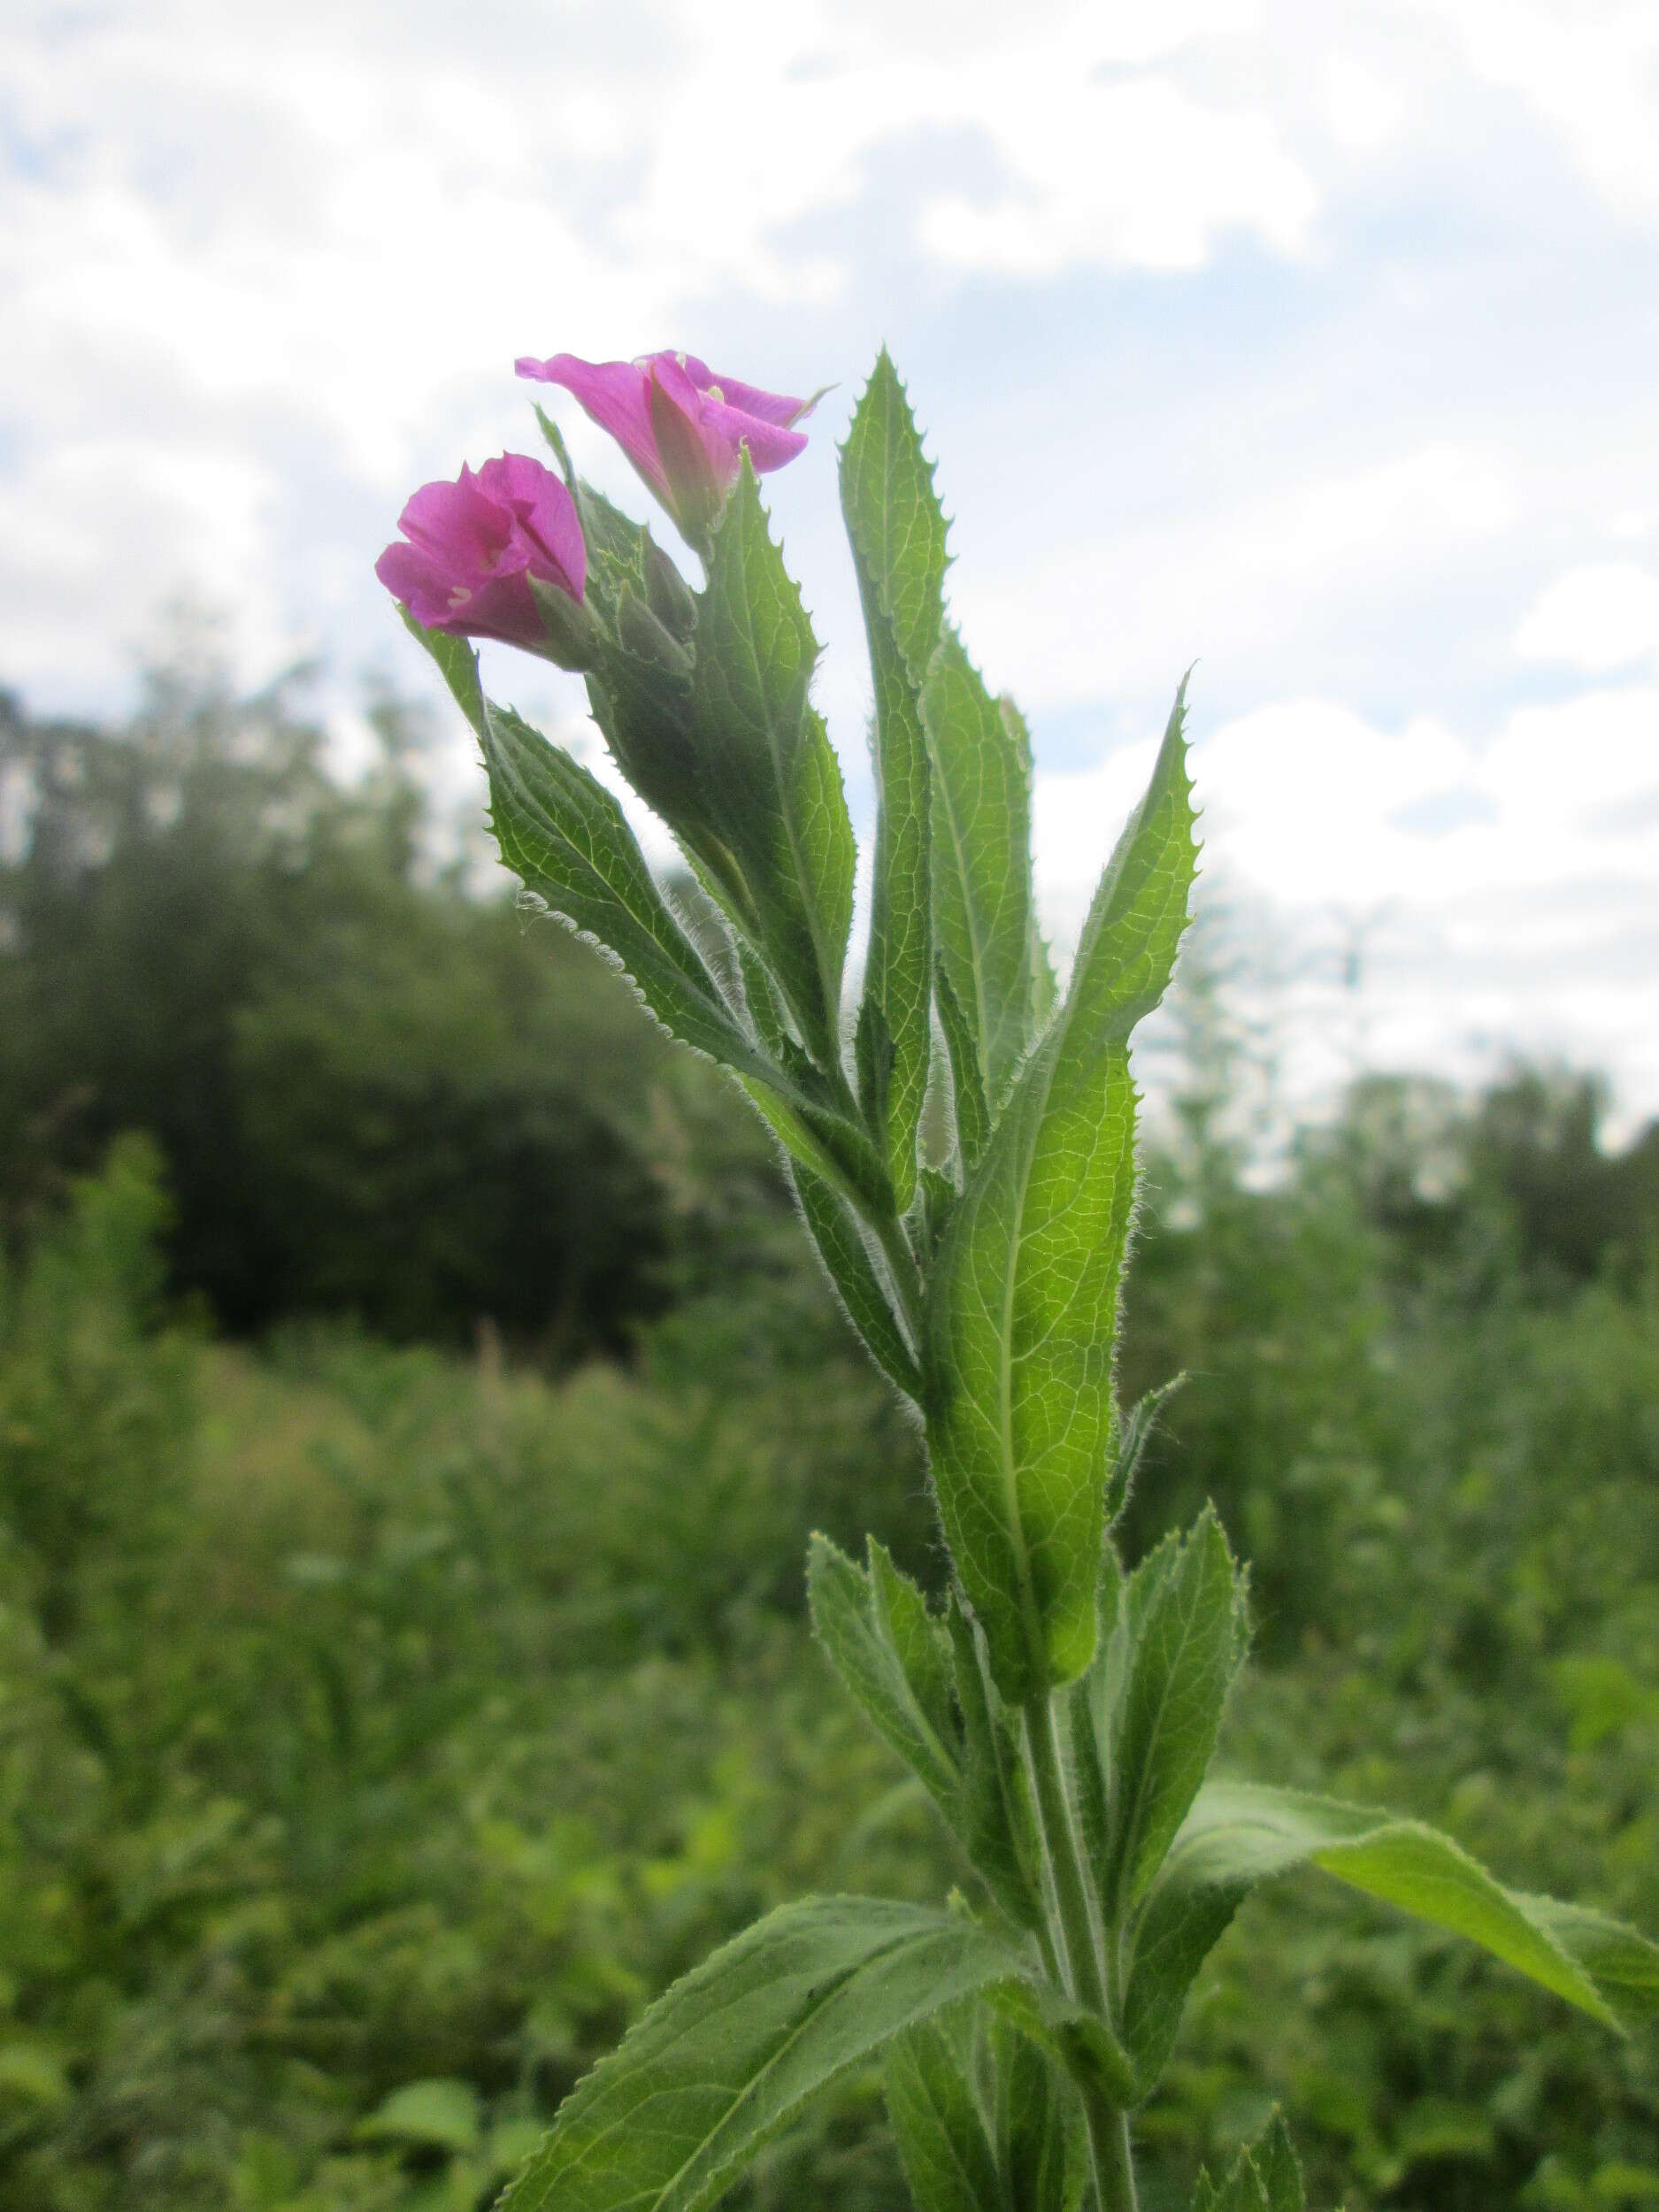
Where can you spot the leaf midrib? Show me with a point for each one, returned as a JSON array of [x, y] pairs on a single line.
[[1005, 1377], [828, 982], [976, 947], [908, 1939], [1136, 1815], [674, 948]]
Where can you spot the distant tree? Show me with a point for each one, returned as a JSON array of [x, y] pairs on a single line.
[[372, 1092]]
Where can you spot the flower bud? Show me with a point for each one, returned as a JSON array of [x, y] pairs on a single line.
[[498, 554]]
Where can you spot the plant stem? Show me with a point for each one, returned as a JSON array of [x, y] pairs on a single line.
[[907, 1276], [1111, 2156], [1053, 1817]]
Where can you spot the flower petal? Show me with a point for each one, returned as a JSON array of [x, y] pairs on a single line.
[[414, 577], [769, 445], [459, 522], [546, 513], [698, 468], [614, 394], [748, 399]]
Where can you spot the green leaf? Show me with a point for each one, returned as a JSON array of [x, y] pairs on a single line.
[[429, 2115], [1187, 1650], [617, 560], [919, 1638], [892, 1659], [967, 1079], [1242, 2190], [457, 664], [982, 904], [1034, 2107], [1044, 989], [995, 1819], [767, 773], [893, 515], [1098, 1699], [942, 2146], [1183, 1921], [734, 2050], [1024, 1295], [1089, 1770], [1077, 2040], [921, 1685], [869, 1303], [1622, 1962], [1134, 1435], [567, 840], [1138, 915], [816, 1134], [1266, 2177], [760, 996], [643, 710], [1275, 2159], [897, 535], [1239, 1834]]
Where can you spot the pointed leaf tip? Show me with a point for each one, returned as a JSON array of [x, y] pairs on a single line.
[[1025, 1290]]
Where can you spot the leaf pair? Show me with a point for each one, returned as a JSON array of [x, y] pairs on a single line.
[[1174, 1855], [982, 2122], [1146, 1720], [921, 1682]]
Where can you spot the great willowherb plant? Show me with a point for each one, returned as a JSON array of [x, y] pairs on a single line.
[[964, 1152]]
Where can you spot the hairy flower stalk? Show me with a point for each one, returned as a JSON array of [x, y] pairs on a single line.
[[963, 1147]]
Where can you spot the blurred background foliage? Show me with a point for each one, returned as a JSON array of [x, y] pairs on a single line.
[[414, 1399]]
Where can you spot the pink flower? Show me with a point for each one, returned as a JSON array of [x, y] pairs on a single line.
[[682, 427], [473, 546]]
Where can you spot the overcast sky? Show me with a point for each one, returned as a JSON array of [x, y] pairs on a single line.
[[1319, 345]]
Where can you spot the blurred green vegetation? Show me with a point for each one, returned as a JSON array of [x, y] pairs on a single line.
[[414, 1398]]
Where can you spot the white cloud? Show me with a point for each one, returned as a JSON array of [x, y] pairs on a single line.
[[1502, 892], [331, 231], [1590, 67], [1366, 105], [89, 533], [1596, 619], [1123, 173], [1252, 569], [1310, 282]]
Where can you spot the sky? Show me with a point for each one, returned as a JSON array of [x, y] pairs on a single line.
[[1317, 346]]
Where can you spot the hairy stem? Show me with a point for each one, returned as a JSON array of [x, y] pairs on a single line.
[[1109, 2156], [907, 1278], [1059, 1836]]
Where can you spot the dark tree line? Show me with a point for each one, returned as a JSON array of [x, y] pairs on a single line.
[[375, 1093], [380, 1092]]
